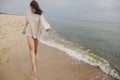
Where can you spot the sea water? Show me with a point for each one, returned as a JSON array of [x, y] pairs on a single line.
[[97, 43]]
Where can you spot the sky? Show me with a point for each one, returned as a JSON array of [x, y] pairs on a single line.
[[90, 10]]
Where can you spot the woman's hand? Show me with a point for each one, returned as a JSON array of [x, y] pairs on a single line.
[[48, 29]]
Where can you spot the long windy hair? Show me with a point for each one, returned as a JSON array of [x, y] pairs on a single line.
[[35, 5]]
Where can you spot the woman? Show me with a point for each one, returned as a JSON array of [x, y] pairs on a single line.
[[34, 23]]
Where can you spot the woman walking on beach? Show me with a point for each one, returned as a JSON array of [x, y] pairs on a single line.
[[34, 23]]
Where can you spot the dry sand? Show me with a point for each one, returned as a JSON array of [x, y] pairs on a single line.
[[52, 64]]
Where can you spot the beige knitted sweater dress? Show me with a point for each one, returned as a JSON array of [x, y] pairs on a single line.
[[34, 24]]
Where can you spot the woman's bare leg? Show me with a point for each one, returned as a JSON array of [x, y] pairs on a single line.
[[36, 46], [32, 53]]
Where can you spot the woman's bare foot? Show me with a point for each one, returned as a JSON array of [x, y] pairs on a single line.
[[33, 74]]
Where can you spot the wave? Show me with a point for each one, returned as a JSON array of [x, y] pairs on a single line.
[[55, 40]]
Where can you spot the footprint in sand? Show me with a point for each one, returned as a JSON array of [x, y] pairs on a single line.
[[8, 60]]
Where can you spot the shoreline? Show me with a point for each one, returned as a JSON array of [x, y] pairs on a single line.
[[55, 64]]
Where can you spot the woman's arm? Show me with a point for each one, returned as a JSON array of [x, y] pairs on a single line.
[[44, 23]]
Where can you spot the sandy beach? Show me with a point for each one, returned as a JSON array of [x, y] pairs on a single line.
[[52, 64]]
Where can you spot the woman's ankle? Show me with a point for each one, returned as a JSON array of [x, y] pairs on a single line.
[[34, 69]]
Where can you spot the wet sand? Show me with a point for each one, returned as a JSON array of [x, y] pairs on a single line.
[[52, 64]]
